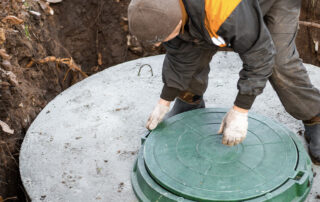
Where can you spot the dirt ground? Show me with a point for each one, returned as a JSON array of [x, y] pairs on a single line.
[[309, 36], [95, 34]]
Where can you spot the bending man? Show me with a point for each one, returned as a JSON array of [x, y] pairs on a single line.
[[262, 32]]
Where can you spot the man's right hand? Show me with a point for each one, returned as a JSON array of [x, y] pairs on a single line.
[[158, 113]]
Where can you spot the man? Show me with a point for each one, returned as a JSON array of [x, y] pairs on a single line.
[[262, 32]]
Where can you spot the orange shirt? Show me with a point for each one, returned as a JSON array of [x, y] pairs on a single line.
[[217, 12], [184, 15]]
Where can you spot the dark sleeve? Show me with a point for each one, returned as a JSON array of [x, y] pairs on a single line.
[[248, 35], [183, 59]]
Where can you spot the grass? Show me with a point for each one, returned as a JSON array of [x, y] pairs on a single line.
[[26, 31]]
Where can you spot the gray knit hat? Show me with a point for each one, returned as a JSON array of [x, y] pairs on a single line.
[[152, 21]]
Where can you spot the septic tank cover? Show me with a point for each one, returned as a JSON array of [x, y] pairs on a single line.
[[186, 157]]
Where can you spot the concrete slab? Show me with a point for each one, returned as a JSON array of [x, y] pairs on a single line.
[[83, 144]]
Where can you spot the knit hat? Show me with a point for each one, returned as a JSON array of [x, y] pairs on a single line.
[[152, 21]]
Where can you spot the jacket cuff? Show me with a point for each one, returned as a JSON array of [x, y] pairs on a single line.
[[169, 93], [244, 101]]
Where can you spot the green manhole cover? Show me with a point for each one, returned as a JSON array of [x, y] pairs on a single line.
[[184, 159]]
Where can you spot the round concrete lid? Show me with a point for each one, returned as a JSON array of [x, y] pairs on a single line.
[[185, 156]]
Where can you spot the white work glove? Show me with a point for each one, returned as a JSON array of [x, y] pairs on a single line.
[[157, 115], [234, 127]]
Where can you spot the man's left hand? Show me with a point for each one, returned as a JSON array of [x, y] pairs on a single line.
[[234, 126]]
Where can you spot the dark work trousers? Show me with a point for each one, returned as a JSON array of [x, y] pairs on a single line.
[[290, 79]]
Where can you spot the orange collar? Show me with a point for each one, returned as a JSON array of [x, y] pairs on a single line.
[[184, 16]]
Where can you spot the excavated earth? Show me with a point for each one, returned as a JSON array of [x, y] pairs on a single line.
[[95, 35]]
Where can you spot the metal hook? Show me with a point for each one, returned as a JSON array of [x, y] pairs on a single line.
[[143, 66]]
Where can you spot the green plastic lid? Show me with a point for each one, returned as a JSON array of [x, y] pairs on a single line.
[[184, 156]]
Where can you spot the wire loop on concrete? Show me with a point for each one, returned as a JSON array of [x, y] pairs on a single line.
[[143, 66]]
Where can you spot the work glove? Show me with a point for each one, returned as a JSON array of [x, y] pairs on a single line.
[[157, 115], [234, 127]]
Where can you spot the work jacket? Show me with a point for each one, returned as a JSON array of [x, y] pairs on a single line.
[[211, 24]]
